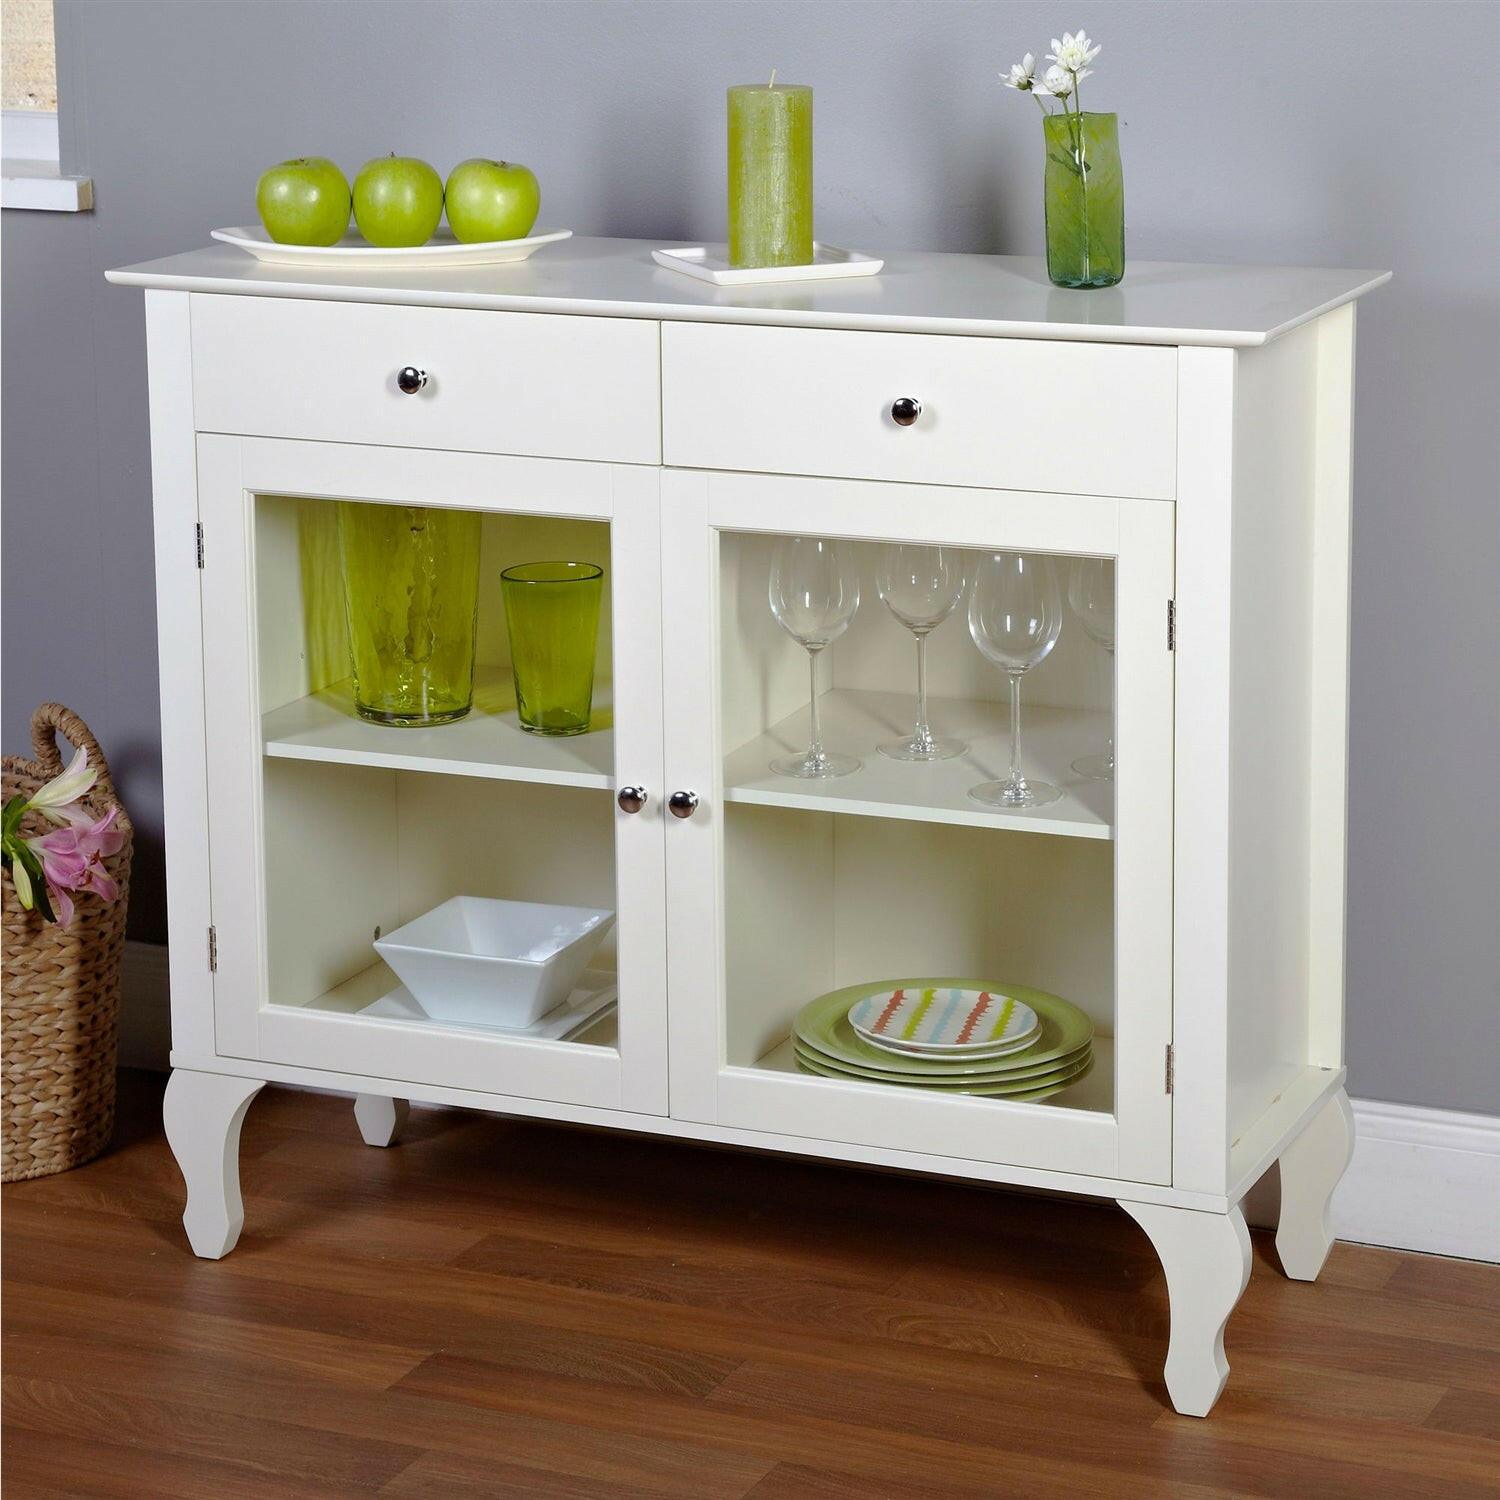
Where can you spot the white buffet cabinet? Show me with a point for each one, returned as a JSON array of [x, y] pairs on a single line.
[[1191, 427]]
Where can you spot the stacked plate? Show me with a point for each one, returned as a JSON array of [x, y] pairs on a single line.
[[962, 1036]]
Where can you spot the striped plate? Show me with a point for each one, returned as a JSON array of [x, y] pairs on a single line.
[[948, 1021]]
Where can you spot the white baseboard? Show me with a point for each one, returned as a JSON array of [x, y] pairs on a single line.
[[1421, 1179]]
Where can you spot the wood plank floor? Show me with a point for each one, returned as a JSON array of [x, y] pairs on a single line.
[[500, 1308]]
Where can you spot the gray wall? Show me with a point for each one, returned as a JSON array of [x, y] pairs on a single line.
[[1304, 134]]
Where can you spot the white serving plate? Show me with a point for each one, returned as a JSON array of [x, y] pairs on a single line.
[[596, 996], [475, 961], [711, 263], [354, 250]]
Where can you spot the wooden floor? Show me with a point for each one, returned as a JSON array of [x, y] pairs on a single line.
[[499, 1308]]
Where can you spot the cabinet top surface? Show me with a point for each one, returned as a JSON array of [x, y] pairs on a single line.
[[998, 296]]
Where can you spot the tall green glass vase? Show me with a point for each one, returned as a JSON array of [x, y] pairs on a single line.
[[411, 597], [1084, 193]]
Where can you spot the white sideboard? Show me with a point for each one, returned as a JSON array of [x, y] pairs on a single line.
[[1191, 427]]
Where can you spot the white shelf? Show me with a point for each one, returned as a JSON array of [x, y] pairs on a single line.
[[857, 722], [488, 742], [1094, 1093]]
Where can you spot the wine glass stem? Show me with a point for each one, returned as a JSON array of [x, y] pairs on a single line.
[[1016, 779], [923, 734], [815, 748]]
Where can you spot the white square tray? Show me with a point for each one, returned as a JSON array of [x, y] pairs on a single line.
[[711, 263], [594, 997]]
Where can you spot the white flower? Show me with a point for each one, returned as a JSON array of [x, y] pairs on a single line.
[[1058, 82], [1021, 75], [1074, 52]]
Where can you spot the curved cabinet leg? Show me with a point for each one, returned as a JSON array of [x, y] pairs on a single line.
[[1207, 1260], [203, 1113], [380, 1120], [1310, 1170]]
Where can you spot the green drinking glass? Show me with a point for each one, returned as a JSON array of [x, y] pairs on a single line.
[[411, 597], [1084, 194], [552, 614]]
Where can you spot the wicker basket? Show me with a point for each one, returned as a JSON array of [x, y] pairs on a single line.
[[61, 988]]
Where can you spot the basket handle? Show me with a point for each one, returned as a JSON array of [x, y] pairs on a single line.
[[52, 719]]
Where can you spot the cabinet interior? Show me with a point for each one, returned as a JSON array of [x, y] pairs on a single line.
[[303, 635], [889, 872], [892, 871], [368, 826], [352, 849]]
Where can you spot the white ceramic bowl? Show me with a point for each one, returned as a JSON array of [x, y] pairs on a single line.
[[497, 963]]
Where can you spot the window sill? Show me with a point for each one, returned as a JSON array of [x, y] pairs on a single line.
[[30, 183], [29, 172]]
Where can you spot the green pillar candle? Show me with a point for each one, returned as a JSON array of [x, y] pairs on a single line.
[[770, 174]]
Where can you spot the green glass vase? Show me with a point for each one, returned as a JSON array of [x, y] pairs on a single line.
[[552, 614], [1084, 194], [411, 597]]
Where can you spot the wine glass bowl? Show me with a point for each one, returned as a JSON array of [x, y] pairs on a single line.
[[814, 592], [921, 586], [1091, 595], [1015, 617]]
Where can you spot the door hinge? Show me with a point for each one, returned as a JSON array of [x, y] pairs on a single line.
[[1171, 1078], [198, 528], [213, 951], [1171, 622]]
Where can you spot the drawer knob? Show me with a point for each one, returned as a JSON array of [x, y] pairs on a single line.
[[683, 804], [411, 379], [905, 410], [631, 798]]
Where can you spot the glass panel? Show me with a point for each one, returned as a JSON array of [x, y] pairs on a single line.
[[478, 855], [904, 851]]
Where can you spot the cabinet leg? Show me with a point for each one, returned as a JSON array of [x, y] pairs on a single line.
[[203, 1113], [380, 1120], [1310, 1170], [1207, 1260]]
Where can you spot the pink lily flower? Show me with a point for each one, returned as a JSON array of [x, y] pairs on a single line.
[[73, 858]]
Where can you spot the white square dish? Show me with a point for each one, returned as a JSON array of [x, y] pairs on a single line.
[[711, 263], [494, 963]]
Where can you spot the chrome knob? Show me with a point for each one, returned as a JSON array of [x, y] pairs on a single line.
[[411, 379], [631, 798], [905, 410], [683, 804]]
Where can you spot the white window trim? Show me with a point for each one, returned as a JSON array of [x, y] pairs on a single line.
[[30, 173]]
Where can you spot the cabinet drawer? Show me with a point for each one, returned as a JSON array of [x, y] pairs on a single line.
[[1088, 419], [497, 382]]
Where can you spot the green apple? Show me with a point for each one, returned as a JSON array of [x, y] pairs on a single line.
[[398, 201], [491, 200], [304, 201]]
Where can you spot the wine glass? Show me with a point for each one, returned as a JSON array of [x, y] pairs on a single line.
[[921, 586], [814, 593], [1015, 614], [1091, 592]]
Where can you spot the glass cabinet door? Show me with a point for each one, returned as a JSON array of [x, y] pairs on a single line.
[[402, 888], [878, 932]]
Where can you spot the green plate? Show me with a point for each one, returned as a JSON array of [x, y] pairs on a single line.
[[955, 1077], [1024, 1092], [823, 1026]]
